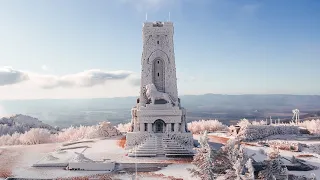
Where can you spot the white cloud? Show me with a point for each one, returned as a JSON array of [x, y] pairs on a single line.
[[10, 76], [87, 78], [94, 83], [134, 80]]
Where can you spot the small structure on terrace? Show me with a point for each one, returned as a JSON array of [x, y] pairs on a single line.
[[80, 162], [158, 120]]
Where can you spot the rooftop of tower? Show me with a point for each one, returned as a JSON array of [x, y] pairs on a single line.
[[157, 24]]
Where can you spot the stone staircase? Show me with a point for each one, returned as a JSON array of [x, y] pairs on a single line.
[[159, 145]]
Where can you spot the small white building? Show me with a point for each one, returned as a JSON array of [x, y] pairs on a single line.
[[80, 162], [158, 116]]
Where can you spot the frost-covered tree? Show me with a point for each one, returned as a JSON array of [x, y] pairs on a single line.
[[274, 169], [235, 152], [203, 160], [243, 123], [293, 160], [250, 169], [230, 162], [238, 169], [235, 163]]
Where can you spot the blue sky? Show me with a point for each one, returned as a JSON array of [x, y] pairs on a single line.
[[48, 49]]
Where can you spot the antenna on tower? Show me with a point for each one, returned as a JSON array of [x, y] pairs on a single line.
[[146, 16]]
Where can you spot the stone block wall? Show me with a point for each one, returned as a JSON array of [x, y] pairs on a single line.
[[136, 138]]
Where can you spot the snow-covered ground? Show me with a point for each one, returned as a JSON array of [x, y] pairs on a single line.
[[21, 158], [178, 171]]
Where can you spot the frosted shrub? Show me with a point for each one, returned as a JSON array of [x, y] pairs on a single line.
[[124, 127], [285, 145], [5, 140], [313, 126], [104, 129], [35, 136], [253, 132], [39, 136], [196, 127], [262, 122], [243, 123]]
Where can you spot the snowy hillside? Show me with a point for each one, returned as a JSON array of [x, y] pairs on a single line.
[[21, 123]]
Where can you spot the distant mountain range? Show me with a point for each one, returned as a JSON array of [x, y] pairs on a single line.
[[206, 101], [63, 112]]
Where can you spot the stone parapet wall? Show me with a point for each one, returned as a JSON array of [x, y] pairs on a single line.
[[184, 139], [136, 138], [159, 113], [166, 106]]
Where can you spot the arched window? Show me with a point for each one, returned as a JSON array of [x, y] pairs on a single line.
[[158, 74]]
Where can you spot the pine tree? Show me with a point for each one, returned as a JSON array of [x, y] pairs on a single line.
[[203, 160], [293, 160], [273, 167], [249, 166], [238, 169], [267, 172]]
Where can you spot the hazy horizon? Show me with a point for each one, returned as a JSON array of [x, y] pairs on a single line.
[[25, 99], [227, 108]]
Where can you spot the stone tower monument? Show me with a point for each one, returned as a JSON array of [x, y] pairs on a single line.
[[158, 113]]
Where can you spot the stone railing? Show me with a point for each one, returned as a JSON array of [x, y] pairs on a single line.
[[136, 138], [183, 139]]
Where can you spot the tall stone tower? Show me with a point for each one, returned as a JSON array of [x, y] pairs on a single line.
[[158, 111], [158, 60]]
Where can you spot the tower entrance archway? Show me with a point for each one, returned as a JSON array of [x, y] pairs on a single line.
[[159, 126]]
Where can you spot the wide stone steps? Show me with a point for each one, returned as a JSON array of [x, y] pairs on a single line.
[[158, 145]]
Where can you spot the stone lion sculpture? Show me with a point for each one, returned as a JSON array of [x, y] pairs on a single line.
[[153, 94]]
